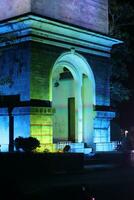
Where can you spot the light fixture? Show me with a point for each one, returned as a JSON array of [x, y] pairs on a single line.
[[56, 84]]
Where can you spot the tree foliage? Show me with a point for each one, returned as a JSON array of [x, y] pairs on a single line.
[[119, 75], [121, 17], [26, 144]]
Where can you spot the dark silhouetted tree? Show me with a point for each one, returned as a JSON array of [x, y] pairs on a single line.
[[121, 17], [26, 144]]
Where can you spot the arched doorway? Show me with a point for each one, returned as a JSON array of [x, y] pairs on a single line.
[[73, 97]]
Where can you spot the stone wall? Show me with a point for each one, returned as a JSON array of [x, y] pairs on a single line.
[[101, 69], [12, 8], [90, 14], [15, 71], [28, 72], [14, 80], [43, 59], [41, 126]]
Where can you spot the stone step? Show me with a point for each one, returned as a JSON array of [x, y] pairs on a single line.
[[106, 146]]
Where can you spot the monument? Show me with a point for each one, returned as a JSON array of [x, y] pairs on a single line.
[[55, 55]]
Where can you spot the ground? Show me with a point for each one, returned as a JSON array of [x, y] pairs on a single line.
[[103, 181]]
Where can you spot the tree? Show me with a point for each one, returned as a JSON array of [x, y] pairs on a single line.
[[119, 75], [121, 17], [26, 144]]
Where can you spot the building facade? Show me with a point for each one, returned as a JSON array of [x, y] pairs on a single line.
[[55, 73]]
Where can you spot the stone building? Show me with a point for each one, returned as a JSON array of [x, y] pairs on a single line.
[[54, 73]]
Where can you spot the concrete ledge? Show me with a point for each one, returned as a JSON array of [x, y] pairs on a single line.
[[39, 29]]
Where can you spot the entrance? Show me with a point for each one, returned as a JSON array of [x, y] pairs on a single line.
[[63, 90], [71, 119], [73, 97]]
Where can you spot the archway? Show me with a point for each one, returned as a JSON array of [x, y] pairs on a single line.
[[73, 97]]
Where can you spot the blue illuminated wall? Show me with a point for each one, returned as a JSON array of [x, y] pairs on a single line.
[[101, 67], [14, 80], [4, 130], [15, 71]]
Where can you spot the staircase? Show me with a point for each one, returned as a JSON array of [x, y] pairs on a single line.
[[75, 147]]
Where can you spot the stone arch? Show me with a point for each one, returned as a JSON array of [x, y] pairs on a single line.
[[82, 82], [77, 63]]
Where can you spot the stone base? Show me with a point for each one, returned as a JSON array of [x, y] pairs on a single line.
[[4, 148], [106, 146]]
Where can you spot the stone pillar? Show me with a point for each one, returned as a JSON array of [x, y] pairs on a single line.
[[79, 115], [11, 129], [102, 130]]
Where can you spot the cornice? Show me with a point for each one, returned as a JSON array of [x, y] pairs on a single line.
[[33, 28]]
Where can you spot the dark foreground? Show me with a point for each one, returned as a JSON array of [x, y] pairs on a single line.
[[99, 179]]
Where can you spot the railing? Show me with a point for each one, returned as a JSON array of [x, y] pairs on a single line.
[[60, 145]]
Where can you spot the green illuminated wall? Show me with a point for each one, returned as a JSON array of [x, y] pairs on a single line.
[[41, 119], [41, 126], [88, 111], [42, 61]]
